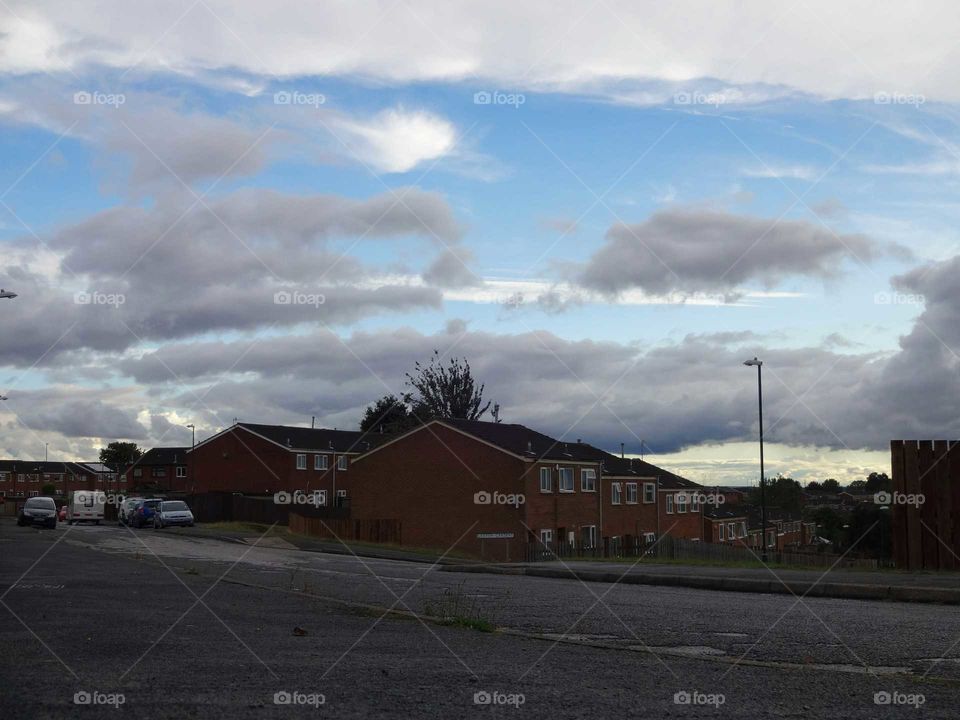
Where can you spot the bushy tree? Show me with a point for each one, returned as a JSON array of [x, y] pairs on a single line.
[[782, 492], [120, 456], [446, 391], [830, 486], [877, 482], [389, 414]]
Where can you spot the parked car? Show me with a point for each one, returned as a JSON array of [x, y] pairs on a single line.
[[62, 515], [85, 505], [172, 512], [143, 515], [126, 510], [38, 511]]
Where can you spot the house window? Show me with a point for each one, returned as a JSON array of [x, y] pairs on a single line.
[[546, 536], [19, 477], [3, 477], [566, 480], [720, 532], [159, 472], [631, 493], [35, 478], [3, 493], [319, 462], [681, 502], [301, 461], [342, 462], [588, 536], [181, 471], [695, 502], [546, 480], [123, 478], [137, 472], [588, 480], [649, 492], [670, 504], [34, 493], [616, 493], [649, 537], [743, 528], [731, 531]]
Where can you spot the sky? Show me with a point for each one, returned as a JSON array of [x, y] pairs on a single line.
[[218, 210]]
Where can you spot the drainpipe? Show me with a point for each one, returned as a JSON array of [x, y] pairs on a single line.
[[658, 507], [600, 499]]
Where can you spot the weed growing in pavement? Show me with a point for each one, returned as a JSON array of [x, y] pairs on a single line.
[[456, 607]]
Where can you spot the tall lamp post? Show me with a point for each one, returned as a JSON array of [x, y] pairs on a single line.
[[763, 494]]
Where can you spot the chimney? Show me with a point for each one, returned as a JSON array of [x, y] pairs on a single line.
[[289, 444], [313, 421], [621, 451]]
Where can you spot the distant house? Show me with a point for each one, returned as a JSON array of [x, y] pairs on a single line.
[[724, 525], [159, 470], [26, 478]]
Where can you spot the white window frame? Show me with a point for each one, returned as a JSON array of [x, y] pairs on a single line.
[[651, 488], [301, 461], [732, 531], [342, 463], [341, 493], [160, 472], [181, 471], [546, 536], [669, 503], [681, 502], [321, 497], [616, 493], [34, 493], [568, 472], [546, 474], [720, 532], [631, 491], [138, 472], [591, 531], [320, 462], [743, 529], [649, 537], [695, 502], [588, 474]]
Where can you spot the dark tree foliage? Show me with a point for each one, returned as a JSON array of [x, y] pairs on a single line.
[[877, 482], [830, 486], [119, 455], [446, 391], [782, 492], [389, 414]]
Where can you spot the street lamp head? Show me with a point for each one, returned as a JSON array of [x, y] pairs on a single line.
[[7, 294], [753, 362]]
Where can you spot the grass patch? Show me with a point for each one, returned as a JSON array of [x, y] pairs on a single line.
[[709, 562], [454, 607]]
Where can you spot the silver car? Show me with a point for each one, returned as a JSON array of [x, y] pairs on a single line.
[[172, 512]]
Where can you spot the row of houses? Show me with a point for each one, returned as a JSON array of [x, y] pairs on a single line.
[[484, 488], [477, 485], [23, 479]]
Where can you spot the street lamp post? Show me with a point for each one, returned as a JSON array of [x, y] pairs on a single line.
[[193, 428], [763, 494]]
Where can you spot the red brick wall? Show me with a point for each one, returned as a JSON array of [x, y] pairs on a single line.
[[240, 461], [627, 519], [687, 525]]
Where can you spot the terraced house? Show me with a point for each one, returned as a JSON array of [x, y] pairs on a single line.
[[496, 489], [25, 478]]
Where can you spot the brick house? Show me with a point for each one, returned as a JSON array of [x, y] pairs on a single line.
[[724, 525], [25, 478], [266, 459], [457, 484], [159, 470]]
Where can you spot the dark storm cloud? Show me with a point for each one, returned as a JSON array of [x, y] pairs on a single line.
[[691, 251]]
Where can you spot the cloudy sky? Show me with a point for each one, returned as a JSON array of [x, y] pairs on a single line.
[[270, 211]]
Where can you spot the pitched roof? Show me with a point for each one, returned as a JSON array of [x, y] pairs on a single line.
[[632, 467], [720, 513], [164, 456], [316, 439], [43, 466], [523, 441]]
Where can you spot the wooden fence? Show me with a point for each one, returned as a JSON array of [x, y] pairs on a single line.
[[374, 531], [925, 504]]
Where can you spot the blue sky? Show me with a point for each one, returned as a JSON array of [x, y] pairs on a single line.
[[628, 218]]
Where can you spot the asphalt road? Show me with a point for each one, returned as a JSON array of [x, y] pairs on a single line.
[[187, 627]]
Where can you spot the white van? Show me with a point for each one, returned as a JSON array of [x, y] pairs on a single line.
[[85, 505]]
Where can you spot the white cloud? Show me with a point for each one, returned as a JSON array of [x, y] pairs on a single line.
[[398, 140]]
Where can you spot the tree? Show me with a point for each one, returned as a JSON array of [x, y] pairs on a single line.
[[814, 487], [120, 455], [49, 489], [389, 414], [877, 482], [446, 391], [781, 492], [830, 486], [858, 486]]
